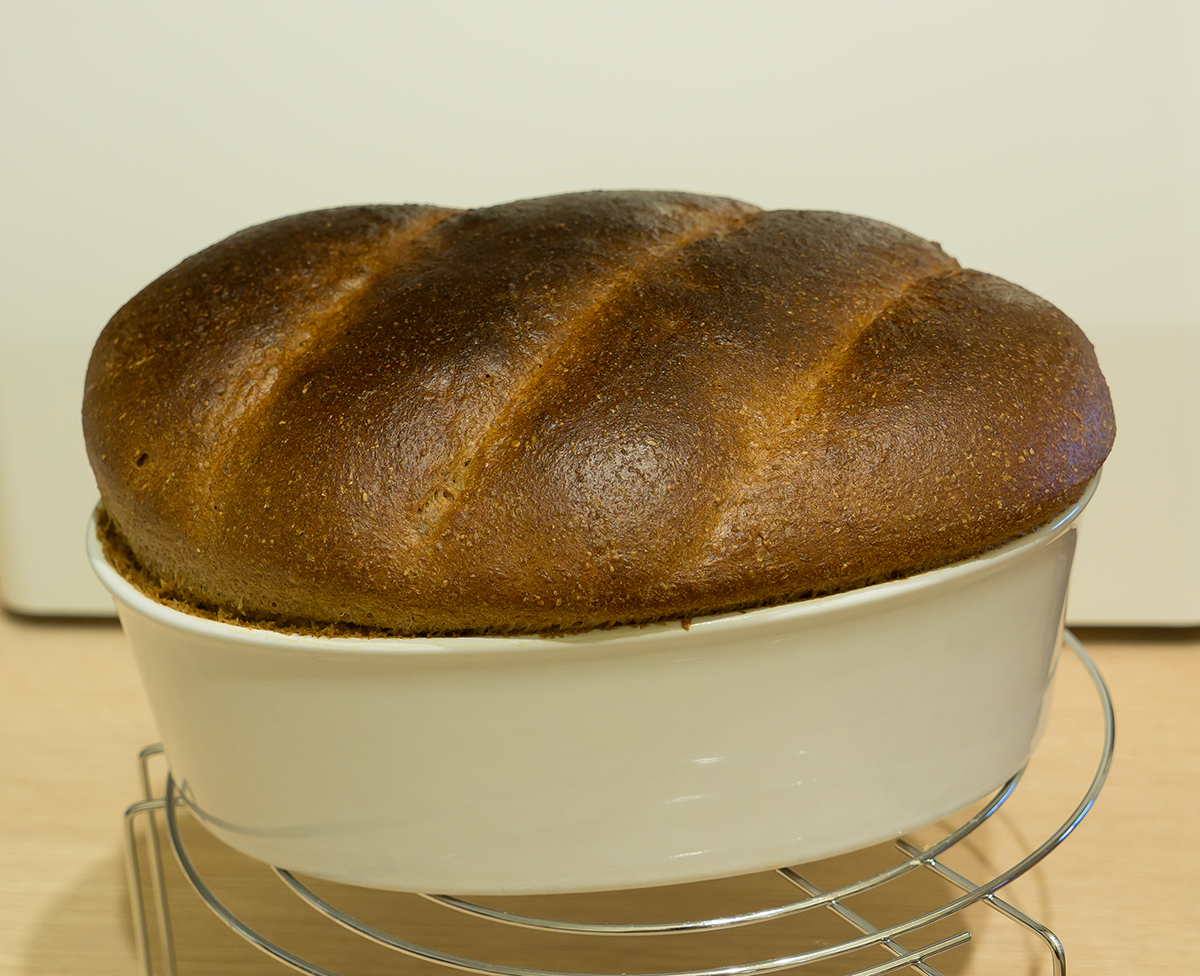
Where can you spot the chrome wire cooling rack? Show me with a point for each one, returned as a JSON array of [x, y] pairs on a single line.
[[887, 938]]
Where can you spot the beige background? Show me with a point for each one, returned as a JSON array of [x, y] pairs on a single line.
[[1120, 891], [1051, 144]]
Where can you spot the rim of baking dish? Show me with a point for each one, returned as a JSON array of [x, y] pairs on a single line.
[[833, 604]]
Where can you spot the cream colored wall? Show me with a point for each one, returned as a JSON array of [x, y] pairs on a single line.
[[1053, 144]]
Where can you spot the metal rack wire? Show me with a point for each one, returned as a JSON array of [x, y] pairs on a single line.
[[887, 937]]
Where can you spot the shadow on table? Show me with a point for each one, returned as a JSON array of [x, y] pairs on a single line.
[[87, 928]]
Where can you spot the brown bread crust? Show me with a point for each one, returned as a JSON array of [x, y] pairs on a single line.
[[577, 411]]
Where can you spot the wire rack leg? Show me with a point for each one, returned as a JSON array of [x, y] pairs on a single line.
[[146, 808], [157, 879], [1057, 951], [137, 904]]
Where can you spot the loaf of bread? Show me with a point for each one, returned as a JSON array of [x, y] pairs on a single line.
[[574, 412]]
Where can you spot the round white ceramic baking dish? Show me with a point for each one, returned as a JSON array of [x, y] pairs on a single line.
[[611, 759]]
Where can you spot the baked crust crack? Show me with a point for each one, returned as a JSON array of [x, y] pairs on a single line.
[[832, 363], [445, 497], [815, 382], [312, 333]]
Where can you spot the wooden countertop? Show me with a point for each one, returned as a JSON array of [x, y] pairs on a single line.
[[1120, 892]]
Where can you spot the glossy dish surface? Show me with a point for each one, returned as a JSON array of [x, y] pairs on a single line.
[[610, 759]]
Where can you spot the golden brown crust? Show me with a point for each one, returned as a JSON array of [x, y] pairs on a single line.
[[576, 411]]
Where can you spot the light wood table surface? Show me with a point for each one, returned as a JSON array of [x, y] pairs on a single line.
[[1121, 891]]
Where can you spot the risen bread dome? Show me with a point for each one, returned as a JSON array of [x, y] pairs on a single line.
[[576, 411]]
